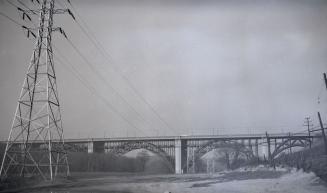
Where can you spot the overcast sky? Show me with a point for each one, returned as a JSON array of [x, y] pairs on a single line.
[[237, 66]]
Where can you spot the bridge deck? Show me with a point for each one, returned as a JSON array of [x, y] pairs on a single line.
[[187, 137]]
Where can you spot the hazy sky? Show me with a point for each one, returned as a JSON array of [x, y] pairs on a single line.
[[238, 66]]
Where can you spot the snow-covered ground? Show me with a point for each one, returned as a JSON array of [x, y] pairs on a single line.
[[297, 182], [294, 182], [249, 180]]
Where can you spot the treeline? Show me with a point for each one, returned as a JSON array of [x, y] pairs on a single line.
[[227, 158], [107, 162]]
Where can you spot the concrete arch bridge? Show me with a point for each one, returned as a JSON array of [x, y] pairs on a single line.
[[181, 151]]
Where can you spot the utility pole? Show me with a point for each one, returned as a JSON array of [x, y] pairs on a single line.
[[35, 146], [323, 132], [320, 121], [308, 124], [325, 78], [290, 142]]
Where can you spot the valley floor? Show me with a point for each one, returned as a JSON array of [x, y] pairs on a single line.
[[257, 180]]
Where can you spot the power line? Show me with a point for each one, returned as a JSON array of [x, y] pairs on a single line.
[[59, 3], [91, 89], [98, 74], [93, 69], [96, 44], [11, 3], [25, 6], [15, 6], [107, 57], [14, 21], [101, 77]]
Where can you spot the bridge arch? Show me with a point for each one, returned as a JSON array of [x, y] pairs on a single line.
[[289, 143], [240, 148], [126, 147], [211, 145]]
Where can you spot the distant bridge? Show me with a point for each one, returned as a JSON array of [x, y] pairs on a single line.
[[182, 151]]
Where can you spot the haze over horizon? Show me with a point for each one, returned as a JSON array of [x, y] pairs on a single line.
[[237, 66]]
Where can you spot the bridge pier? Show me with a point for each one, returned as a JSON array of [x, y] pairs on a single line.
[[180, 155], [95, 147], [256, 152], [90, 147], [268, 146], [251, 146]]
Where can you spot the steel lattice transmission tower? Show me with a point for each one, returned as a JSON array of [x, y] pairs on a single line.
[[35, 144]]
